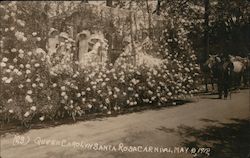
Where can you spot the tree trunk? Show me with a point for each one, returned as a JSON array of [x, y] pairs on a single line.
[[109, 3], [132, 33], [149, 20], [206, 33]]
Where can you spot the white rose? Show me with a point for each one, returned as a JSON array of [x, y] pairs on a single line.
[[83, 100], [21, 66], [90, 106], [28, 99], [21, 55], [21, 51], [27, 66], [4, 78], [5, 59], [11, 67], [41, 84], [12, 14], [63, 93], [65, 97], [16, 71], [28, 71], [26, 114], [37, 65], [12, 28], [24, 39], [9, 80], [8, 70], [78, 94], [29, 53], [9, 100], [2, 64], [63, 88], [34, 34], [20, 86], [41, 118], [6, 17], [54, 85], [33, 108], [19, 73], [169, 94], [29, 92], [107, 100], [11, 111], [15, 60], [33, 85], [13, 50]]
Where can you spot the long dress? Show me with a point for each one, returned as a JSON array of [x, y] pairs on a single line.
[[126, 57], [61, 61], [96, 55], [83, 50], [52, 45]]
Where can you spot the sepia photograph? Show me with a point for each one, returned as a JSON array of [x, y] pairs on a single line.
[[125, 79]]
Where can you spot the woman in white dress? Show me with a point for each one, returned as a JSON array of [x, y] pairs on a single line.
[[98, 53], [53, 41]]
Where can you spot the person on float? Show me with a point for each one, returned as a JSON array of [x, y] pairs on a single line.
[[82, 41], [53, 41]]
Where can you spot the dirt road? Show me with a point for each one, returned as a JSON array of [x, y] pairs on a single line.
[[221, 127]]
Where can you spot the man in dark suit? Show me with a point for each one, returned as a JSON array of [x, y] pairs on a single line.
[[224, 72]]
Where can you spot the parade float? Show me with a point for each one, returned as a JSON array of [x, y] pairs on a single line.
[[91, 65]]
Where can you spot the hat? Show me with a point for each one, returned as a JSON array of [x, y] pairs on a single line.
[[127, 39], [71, 40], [97, 37], [84, 32], [53, 30], [64, 35]]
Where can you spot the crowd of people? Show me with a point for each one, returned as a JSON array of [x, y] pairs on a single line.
[[86, 49]]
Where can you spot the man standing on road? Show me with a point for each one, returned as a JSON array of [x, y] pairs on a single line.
[[225, 69]]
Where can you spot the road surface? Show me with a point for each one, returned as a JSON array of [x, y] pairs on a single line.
[[207, 126]]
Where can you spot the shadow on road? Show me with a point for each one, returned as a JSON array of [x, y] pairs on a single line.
[[225, 140]]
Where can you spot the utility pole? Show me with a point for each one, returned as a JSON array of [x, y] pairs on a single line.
[[206, 33]]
